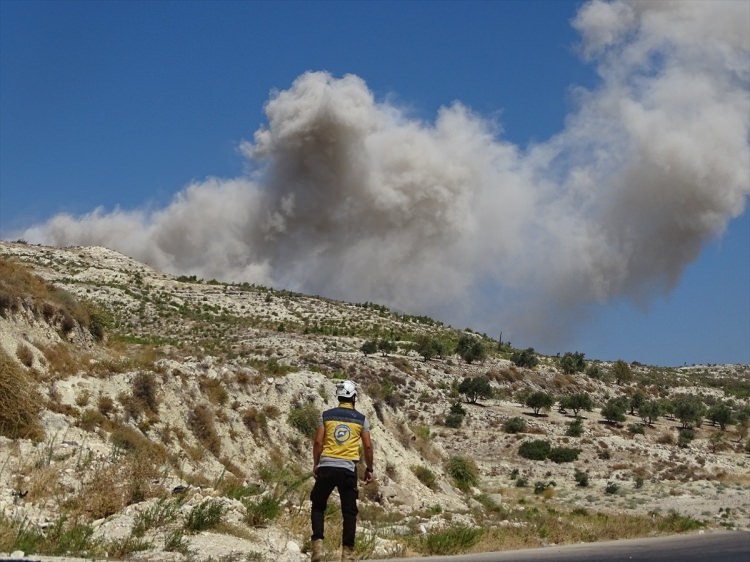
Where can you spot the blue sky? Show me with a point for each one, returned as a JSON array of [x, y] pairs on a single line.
[[121, 106]]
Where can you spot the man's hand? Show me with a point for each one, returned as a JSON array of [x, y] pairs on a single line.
[[315, 471], [368, 475]]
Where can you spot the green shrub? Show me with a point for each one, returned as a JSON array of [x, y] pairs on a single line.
[[686, 435], [261, 511], [454, 420], [464, 472], [452, 540], [423, 432], [575, 428], [369, 347], [677, 523], [61, 538], [305, 419], [425, 476], [536, 450], [563, 454], [637, 429], [611, 488], [157, 515], [582, 478], [515, 425], [458, 409], [205, 515], [240, 491], [175, 541]]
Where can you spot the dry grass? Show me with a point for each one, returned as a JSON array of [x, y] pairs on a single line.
[[20, 403], [110, 487], [201, 422], [20, 287], [214, 390], [546, 525], [63, 359], [25, 355], [739, 478], [16, 282], [42, 483], [256, 421]]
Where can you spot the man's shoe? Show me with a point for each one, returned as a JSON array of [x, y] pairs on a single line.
[[347, 554], [317, 551]]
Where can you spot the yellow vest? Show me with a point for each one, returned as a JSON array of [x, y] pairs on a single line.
[[343, 427]]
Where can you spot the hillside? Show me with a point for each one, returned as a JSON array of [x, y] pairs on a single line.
[[148, 417]]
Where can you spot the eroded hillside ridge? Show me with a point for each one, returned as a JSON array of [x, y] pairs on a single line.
[[170, 417]]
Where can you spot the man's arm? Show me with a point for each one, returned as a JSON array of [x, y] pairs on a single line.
[[318, 448], [367, 446]]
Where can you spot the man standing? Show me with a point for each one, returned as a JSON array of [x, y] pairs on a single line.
[[335, 454]]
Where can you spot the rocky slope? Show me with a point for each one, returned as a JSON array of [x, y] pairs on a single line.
[[161, 399]]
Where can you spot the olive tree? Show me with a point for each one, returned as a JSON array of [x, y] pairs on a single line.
[[615, 408], [577, 402], [689, 409], [539, 401], [572, 363], [475, 388]]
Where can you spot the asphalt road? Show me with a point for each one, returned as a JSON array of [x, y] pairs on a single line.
[[717, 546]]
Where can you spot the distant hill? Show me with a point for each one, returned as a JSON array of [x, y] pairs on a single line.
[[147, 416]]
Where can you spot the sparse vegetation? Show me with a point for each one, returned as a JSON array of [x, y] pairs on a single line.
[[192, 409], [452, 540], [201, 422], [305, 419], [205, 515], [515, 425], [455, 416], [424, 475], [20, 403], [464, 471]]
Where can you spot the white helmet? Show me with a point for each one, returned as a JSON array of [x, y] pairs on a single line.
[[346, 389]]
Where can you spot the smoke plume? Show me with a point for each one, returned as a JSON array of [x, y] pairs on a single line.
[[351, 198]]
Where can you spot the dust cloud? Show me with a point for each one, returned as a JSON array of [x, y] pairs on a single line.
[[351, 198]]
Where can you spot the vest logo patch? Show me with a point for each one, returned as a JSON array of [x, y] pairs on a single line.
[[342, 433]]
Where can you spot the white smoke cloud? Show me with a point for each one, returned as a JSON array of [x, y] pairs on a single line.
[[352, 199]]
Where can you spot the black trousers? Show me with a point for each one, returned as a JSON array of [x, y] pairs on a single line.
[[346, 483]]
